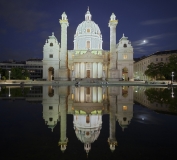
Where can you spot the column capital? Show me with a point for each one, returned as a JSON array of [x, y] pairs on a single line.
[[64, 22], [113, 23]]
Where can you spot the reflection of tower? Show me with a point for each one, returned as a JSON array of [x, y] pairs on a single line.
[[125, 106], [63, 71], [63, 139], [63, 93], [50, 106], [112, 123]]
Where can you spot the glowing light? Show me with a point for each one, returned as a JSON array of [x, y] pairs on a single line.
[[144, 41]]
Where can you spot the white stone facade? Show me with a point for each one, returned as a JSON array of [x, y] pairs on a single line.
[[88, 59]]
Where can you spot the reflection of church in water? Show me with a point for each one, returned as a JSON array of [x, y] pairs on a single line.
[[87, 104]]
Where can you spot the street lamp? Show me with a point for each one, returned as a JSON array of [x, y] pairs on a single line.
[[172, 75], [9, 74]]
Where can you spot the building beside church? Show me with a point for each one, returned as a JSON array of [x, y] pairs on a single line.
[[87, 59], [141, 64]]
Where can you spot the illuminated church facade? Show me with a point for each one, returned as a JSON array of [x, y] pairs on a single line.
[[87, 59]]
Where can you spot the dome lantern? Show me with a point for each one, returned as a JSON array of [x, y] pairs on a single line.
[[88, 16]]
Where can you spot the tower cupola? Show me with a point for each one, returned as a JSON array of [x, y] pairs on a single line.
[[113, 17], [64, 16]]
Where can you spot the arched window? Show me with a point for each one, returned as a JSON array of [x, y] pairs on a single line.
[[125, 45], [51, 44]]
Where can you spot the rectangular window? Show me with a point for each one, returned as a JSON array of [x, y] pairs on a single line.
[[88, 90], [51, 56], [50, 107], [161, 59], [124, 108], [156, 59], [125, 56], [88, 44]]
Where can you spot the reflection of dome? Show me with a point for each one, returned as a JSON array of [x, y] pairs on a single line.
[[87, 135], [87, 128], [88, 35]]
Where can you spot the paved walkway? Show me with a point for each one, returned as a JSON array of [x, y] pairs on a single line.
[[87, 83]]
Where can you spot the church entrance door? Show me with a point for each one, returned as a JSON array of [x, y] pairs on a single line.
[[88, 73], [51, 74], [125, 74]]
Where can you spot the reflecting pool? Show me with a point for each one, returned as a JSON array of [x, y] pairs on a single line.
[[68, 122]]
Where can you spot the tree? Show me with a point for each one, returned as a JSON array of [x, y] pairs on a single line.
[[162, 96], [151, 70], [172, 65], [2, 72], [19, 73]]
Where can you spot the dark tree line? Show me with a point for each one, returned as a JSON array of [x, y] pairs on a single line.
[[16, 73]]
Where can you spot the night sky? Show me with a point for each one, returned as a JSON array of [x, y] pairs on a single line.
[[26, 24]]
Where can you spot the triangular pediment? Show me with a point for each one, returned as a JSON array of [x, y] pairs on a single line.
[[88, 57]]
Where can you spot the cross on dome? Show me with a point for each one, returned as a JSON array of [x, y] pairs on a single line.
[[88, 16]]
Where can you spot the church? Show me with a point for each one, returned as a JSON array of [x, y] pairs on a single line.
[[88, 60]]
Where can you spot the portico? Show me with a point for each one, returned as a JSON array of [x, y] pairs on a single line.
[[87, 65]]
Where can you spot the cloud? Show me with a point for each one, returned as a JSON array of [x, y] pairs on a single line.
[[151, 45], [159, 21], [150, 38], [19, 15]]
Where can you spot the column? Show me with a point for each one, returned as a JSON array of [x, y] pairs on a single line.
[[63, 71], [91, 70], [113, 57], [79, 70], [97, 71], [85, 70]]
